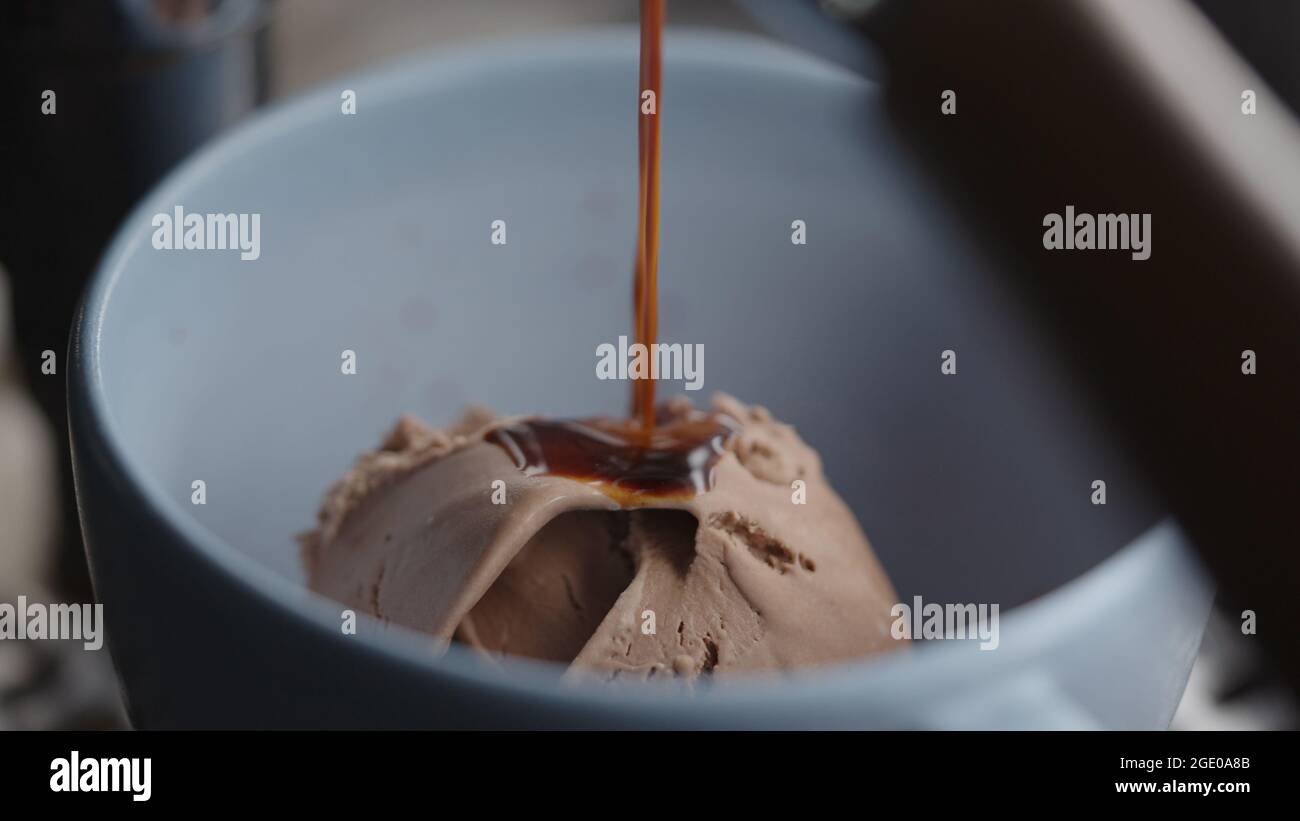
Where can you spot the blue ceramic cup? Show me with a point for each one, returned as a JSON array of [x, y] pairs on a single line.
[[203, 366]]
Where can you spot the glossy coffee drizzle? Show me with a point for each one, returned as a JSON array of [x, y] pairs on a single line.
[[616, 457], [643, 459], [645, 283]]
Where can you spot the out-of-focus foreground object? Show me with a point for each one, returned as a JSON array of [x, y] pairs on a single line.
[[1111, 106], [1107, 107]]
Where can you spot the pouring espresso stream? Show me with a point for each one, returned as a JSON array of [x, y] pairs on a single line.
[[634, 460]]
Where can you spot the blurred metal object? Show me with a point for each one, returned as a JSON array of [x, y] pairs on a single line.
[[137, 85]]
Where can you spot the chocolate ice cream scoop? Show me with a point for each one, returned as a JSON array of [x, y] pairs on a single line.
[[472, 534]]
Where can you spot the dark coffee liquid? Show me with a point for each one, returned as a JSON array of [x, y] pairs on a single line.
[[618, 458], [640, 460], [645, 284]]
